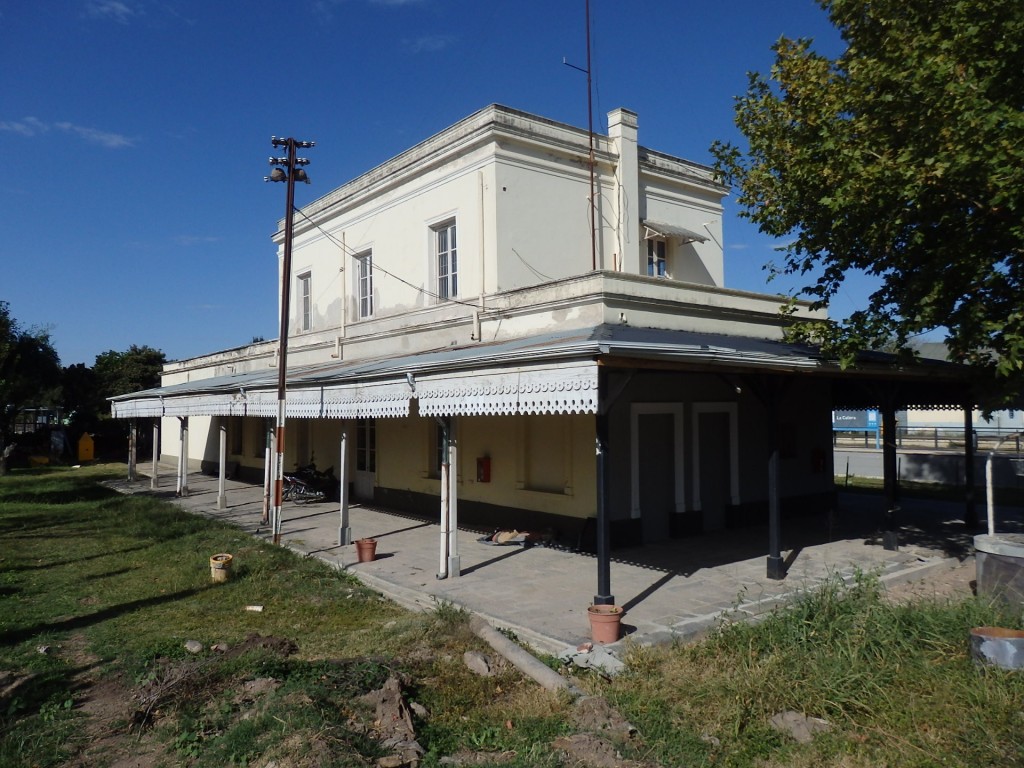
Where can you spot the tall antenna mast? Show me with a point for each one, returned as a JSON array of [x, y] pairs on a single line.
[[590, 131]]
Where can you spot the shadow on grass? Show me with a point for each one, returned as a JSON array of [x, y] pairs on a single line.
[[55, 496], [16, 636], [58, 563]]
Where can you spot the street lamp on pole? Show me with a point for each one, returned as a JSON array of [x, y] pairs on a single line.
[[289, 170]]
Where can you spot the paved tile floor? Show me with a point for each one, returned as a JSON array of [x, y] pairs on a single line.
[[676, 589]]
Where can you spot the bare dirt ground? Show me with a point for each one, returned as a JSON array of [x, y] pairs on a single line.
[[115, 739], [941, 584]]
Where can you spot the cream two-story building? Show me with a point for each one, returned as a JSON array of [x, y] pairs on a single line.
[[582, 353]]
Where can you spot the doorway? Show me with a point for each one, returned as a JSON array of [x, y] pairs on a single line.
[[657, 467], [365, 479], [715, 459]]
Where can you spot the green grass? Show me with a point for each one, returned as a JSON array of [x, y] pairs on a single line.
[[897, 683], [937, 491], [112, 586]]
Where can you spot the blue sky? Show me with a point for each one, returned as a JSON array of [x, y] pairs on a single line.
[[136, 132]]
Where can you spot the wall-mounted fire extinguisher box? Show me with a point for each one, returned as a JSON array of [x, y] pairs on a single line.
[[483, 469]]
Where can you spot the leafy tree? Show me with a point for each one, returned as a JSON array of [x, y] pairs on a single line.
[[83, 403], [118, 373], [903, 159], [29, 373]]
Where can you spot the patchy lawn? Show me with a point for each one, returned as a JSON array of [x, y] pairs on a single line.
[[117, 649]]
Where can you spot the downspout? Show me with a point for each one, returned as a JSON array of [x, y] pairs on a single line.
[[477, 330], [338, 343]]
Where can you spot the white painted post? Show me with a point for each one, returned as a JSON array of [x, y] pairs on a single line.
[[267, 475], [222, 499], [442, 572], [154, 479], [453, 501], [344, 526], [177, 470], [183, 456], [274, 508]]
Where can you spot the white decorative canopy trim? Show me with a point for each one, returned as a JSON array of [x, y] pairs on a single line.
[[565, 388], [542, 388], [343, 401]]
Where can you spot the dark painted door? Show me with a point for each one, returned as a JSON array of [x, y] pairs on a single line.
[[656, 441]]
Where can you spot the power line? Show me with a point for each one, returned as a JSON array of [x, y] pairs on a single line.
[[377, 268]]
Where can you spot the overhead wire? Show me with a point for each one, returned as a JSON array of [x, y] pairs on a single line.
[[345, 249]]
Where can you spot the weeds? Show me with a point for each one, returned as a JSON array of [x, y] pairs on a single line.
[[115, 585]]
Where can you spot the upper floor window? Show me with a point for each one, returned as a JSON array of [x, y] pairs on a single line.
[[364, 289], [305, 302], [447, 260], [656, 263]]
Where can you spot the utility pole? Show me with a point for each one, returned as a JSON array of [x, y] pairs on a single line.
[[287, 169]]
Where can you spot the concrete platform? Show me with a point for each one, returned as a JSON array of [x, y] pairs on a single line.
[[675, 590]]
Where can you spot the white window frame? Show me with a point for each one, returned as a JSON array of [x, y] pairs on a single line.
[[675, 410], [657, 256], [732, 411], [305, 297], [447, 279], [364, 284]]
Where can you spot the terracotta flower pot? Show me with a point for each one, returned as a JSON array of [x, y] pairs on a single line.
[[366, 550], [605, 623]]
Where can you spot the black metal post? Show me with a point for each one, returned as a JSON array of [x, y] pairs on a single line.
[[970, 510], [776, 568], [604, 594], [890, 538]]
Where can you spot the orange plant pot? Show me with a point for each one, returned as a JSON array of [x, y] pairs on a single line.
[[366, 550], [605, 623]]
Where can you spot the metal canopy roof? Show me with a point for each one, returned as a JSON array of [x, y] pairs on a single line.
[[658, 229], [554, 372]]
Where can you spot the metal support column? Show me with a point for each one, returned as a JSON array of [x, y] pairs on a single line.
[[268, 476], [344, 524], [154, 478], [133, 450], [183, 456], [890, 538], [454, 563], [970, 509], [442, 567], [604, 594], [775, 567], [222, 497]]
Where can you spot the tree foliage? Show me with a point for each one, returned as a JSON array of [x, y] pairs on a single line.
[[29, 369], [118, 373], [903, 159]]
